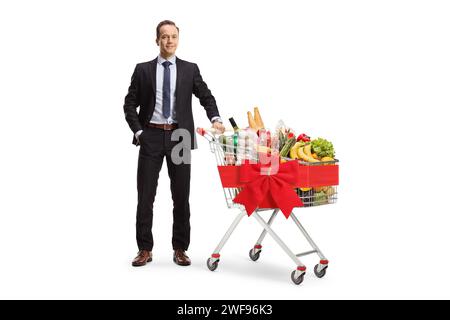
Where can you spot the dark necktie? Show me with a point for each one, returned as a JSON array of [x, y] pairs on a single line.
[[166, 89]]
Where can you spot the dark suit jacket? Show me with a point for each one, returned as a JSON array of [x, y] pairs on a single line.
[[142, 93]]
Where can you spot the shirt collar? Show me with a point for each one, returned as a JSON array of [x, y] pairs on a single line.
[[172, 59]]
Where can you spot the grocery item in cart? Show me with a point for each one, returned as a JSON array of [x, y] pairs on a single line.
[[233, 124], [240, 146], [307, 196], [322, 147], [255, 122], [246, 146], [258, 119], [229, 150]]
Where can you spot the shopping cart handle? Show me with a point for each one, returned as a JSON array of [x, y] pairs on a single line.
[[214, 130], [201, 131], [211, 131]]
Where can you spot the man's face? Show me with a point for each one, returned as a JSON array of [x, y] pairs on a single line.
[[168, 40]]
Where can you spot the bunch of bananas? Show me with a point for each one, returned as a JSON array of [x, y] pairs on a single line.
[[302, 152]]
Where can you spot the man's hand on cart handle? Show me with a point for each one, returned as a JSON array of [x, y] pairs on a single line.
[[218, 127]]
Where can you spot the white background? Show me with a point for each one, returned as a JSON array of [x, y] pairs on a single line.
[[371, 76]]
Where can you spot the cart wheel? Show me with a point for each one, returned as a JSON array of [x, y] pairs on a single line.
[[297, 280], [212, 265], [320, 274], [255, 256]]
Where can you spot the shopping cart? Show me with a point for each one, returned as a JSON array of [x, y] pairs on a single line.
[[307, 193]]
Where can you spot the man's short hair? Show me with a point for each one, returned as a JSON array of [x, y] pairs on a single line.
[[163, 23]]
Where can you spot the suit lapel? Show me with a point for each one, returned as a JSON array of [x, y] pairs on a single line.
[[180, 68], [153, 75]]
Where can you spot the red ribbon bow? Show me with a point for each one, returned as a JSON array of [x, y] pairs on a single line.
[[258, 184]]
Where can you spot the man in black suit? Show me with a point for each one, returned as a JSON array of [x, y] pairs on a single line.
[[163, 89]]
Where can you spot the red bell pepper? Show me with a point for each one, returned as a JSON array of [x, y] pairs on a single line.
[[303, 137]]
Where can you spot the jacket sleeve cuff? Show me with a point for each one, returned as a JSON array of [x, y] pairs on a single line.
[[214, 119]]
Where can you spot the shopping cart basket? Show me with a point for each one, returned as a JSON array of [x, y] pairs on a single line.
[[317, 186]]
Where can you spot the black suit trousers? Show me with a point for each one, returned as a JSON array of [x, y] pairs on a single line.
[[155, 145]]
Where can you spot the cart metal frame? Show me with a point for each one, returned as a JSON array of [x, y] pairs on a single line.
[[220, 151]]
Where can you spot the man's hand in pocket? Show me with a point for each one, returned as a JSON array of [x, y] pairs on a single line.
[[137, 134]]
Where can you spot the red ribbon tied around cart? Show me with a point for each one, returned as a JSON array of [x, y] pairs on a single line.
[[259, 183]]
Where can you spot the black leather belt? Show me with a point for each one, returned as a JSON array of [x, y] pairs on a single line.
[[165, 126]]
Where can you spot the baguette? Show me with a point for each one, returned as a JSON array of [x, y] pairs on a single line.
[[251, 121], [258, 119]]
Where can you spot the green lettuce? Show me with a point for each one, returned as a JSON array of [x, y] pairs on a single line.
[[322, 147], [320, 198]]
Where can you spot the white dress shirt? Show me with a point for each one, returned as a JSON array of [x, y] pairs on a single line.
[[158, 113]]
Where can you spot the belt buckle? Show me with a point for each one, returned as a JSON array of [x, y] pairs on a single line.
[[167, 127]]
